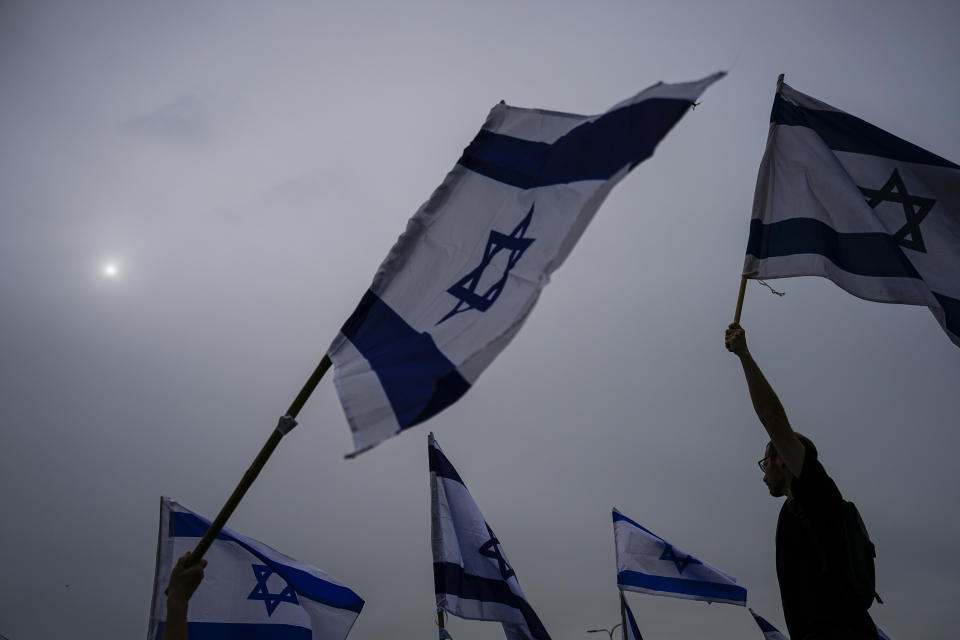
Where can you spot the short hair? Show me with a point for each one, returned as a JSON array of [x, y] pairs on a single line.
[[808, 446]]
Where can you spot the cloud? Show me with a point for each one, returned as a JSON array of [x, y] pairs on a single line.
[[183, 121]]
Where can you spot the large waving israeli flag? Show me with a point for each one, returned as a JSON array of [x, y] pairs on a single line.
[[770, 632], [460, 281], [649, 564], [249, 590], [471, 573], [839, 198]]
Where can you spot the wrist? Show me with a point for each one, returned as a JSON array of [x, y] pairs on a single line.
[[176, 601]]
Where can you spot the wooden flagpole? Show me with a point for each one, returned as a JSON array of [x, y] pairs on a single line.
[[743, 289], [287, 422]]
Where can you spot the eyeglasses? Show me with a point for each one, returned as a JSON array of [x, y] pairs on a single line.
[[763, 462]]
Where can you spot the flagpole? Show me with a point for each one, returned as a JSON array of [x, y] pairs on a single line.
[[284, 426], [743, 289], [743, 279]]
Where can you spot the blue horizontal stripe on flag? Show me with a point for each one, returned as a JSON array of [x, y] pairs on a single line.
[[951, 309], [441, 466], [619, 516], [186, 525], [594, 150], [865, 254], [238, 631], [844, 132], [418, 379], [449, 578], [698, 588], [192, 526]]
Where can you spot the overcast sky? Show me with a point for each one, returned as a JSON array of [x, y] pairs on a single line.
[[247, 165]]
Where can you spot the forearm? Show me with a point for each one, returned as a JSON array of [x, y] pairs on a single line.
[[765, 401], [175, 627]]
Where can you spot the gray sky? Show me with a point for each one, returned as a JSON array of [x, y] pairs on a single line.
[[248, 165]]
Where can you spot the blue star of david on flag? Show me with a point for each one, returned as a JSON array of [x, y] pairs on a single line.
[[680, 561], [492, 549], [465, 290], [262, 592]]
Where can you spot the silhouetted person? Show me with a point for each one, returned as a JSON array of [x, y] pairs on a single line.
[[184, 580], [817, 602]]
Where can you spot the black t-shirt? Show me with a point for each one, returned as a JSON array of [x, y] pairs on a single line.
[[810, 554]]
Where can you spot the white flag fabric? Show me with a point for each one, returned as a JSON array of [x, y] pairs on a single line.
[[649, 564], [461, 280], [770, 632], [249, 590], [840, 198], [630, 630], [472, 576]]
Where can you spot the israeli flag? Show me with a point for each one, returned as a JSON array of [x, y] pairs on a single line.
[[770, 632], [649, 564], [839, 198], [471, 573], [461, 280], [249, 590], [630, 631]]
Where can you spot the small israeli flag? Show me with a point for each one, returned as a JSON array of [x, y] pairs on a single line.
[[460, 281], [471, 573], [840, 198], [770, 632], [249, 590], [649, 564]]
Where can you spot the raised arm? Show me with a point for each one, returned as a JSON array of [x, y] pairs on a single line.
[[184, 580], [766, 403]]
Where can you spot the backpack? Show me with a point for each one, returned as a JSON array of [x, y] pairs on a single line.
[[859, 569], [856, 568]]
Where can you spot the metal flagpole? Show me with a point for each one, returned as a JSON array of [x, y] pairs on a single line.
[[284, 426]]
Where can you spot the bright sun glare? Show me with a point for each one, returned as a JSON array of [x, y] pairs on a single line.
[[111, 270]]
